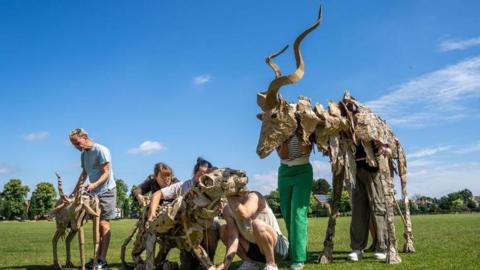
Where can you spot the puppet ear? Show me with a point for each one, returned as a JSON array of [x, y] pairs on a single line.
[[261, 99]]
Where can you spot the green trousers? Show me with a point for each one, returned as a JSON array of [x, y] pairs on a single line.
[[294, 187]]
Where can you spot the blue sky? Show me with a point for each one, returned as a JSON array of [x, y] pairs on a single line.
[[169, 81]]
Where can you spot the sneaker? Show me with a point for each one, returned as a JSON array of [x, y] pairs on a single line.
[[270, 267], [380, 256], [355, 255], [297, 266], [248, 266], [89, 264], [101, 264]]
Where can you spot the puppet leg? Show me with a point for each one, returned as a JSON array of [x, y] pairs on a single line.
[[55, 238], [408, 234], [68, 241], [327, 254], [387, 182]]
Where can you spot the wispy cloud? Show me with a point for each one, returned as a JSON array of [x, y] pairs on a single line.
[[147, 148], [444, 178], [5, 169], [468, 149], [36, 136], [265, 182], [444, 95], [201, 79], [427, 152], [458, 44]]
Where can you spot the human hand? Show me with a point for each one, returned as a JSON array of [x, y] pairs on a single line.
[[90, 187]]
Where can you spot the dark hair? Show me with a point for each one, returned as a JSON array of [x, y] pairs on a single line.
[[162, 168], [201, 162]]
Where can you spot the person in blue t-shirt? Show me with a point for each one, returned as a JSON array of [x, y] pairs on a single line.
[[96, 165]]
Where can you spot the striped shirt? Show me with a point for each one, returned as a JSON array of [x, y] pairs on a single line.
[[295, 150]]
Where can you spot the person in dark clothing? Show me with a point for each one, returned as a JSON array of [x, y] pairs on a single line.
[[162, 177]]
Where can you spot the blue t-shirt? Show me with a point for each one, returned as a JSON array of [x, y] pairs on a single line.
[[92, 161]]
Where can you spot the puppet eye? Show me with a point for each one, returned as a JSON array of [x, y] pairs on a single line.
[[260, 116], [274, 116]]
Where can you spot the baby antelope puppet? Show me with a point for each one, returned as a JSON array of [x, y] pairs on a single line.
[[71, 213]]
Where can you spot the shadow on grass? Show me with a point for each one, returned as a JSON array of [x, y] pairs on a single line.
[[50, 267]]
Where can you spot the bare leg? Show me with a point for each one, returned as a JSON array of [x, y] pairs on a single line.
[[55, 238], [104, 239], [68, 241], [242, 245], [266, 238], [327, 254]]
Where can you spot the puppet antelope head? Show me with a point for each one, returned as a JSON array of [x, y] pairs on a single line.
[[279, 118]]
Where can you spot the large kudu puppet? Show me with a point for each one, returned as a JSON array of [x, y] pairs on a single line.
[[338, 131], [71, 212], [182, 222]]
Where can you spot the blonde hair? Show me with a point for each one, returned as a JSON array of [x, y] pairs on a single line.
[[78, 132]]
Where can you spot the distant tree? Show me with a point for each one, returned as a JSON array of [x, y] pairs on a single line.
[[434, 208], [2, 207], [273, 200], [465, 194], [14, 194], [321, 186], [472, 204], [414, 209], [345, 205], [135, 209], [122, 200], [458, 205], [451, 202], [42, 200], [445, 203]]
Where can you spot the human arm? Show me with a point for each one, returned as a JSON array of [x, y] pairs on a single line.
[[140, 190], [245, 208], [102, 179], [232, 240], [156, 198]]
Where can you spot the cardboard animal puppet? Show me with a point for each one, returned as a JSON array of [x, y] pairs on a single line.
[[338, 131], [182, 222], [70, 214]]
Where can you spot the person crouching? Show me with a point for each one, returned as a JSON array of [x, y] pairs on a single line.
[[251, 232]]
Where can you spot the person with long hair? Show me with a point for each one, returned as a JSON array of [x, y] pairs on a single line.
[[162, 177], [211, 237]]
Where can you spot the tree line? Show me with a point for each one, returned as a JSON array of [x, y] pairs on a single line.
[[460, 201], [14, 204]]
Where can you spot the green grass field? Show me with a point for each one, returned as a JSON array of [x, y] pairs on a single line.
[[442, 242]]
